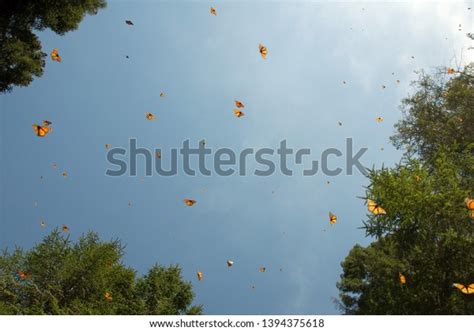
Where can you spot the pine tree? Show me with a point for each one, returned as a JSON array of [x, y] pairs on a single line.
[[427, 233], [60, 277], [21, 57]]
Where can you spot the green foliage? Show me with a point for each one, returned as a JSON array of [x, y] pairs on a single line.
[[165, 293], [426, 234], [439, 114], [68, 278], [21, 58]]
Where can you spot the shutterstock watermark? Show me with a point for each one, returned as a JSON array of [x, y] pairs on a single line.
[[227, 162]]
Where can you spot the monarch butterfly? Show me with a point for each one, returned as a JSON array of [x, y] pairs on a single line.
[[379, 119], [238, 113], [402, 278], [55, 55], [64, 174], [263, 51], [200, 275], [262, 269], [41, 131], [162, 94], [213, 11], [451, 71], [108, 296], [65, 228], [149, 116], [22, 275], [230, 263], [158, 155], [189, 202], [332, 218], [469, 289], [374, 208], [239, 104], [129, 22]]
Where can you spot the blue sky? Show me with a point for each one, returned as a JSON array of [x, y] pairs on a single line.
[[96, 96]]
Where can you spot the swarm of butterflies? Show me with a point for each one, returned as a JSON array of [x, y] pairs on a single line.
[[372, 206]]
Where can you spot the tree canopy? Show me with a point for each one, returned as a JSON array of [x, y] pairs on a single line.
[[426, 235], [438, 115], [21, 57], [58, 276]]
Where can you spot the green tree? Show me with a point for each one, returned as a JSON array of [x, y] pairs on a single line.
[[427, 234], [21, 58], [58, 276], [439, 114]]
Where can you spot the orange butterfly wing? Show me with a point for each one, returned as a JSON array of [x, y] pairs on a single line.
[[402, 278], [263, 51], [469, 289], [239, 104], [41, 131], [55, 55], [238, 113], [22, 275], [374, 208], [189, 202]]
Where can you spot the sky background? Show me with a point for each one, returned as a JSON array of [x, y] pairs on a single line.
[[97, 96]]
